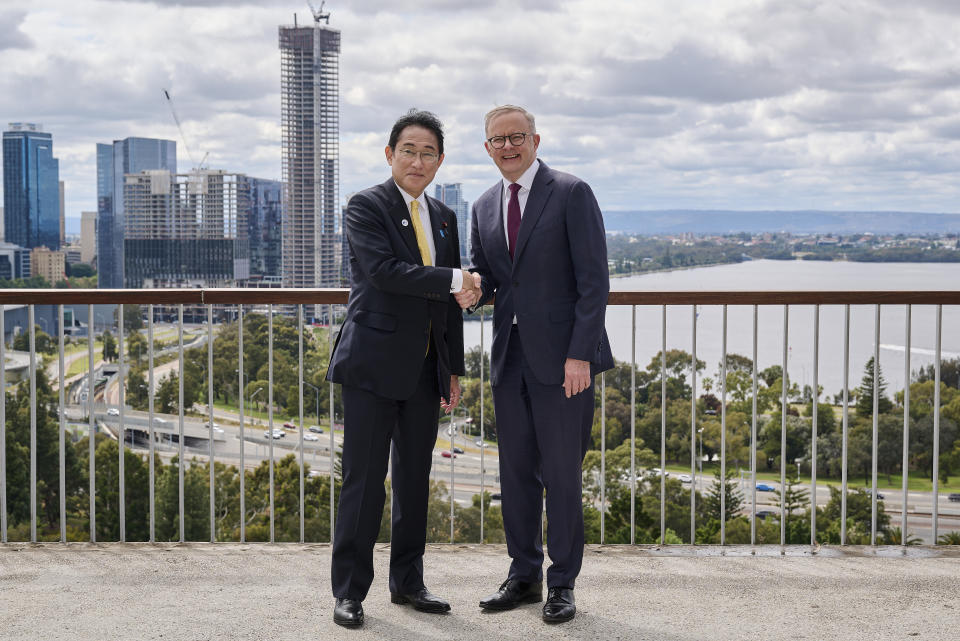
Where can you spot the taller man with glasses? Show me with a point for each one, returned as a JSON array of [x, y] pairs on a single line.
[[538, 244], [398, 356]]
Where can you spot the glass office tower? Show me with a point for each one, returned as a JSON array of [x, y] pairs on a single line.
[[31, 187]]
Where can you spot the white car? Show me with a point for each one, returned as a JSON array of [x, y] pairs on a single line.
[[277, 433], [685, 478], [113, 411], [310, 437]]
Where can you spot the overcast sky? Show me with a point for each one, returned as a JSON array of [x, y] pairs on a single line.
[[699, 104]]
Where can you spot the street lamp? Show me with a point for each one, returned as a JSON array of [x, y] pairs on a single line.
[[259, 389], [700, 434], [317, 390]]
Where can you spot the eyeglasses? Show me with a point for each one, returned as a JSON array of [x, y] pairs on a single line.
[[516, 139], [426, 157]]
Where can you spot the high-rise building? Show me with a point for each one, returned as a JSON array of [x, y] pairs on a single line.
[[31, 178], [451, 195], [262, 202], [184, 230], [310, 123], [63, 236], [88, 236], [14, 262], [49, 264], [114, 161]]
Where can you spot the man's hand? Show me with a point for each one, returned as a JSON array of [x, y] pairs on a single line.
[[448, 406], [470, 292], [576, 376]]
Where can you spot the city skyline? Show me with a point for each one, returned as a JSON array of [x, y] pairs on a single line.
[[736, 105]]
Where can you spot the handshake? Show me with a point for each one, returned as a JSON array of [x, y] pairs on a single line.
[[470, 292]]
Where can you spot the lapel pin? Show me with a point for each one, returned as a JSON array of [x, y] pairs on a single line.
[[404, 222]]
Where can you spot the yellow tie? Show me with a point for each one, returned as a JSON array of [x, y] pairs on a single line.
[[421, 235]]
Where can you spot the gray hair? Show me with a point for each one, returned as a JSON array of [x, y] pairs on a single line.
[[503, 109]]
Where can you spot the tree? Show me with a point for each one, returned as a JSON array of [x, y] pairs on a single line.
[[733, 499], [109, 346], [132, 318], [865, 393], [793, 499], [43, 343], [472, 363]]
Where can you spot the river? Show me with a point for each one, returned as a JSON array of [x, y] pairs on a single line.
[[787, 275]]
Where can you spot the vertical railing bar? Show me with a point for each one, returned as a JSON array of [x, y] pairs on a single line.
[[905, 465], [483, 469], [784, 382], [92, 421], [814, 425], [121, 433], [63, 429], [603, 454], [212, 448], [330, 328], [846, 424], [723, 433], [633, 425], [876, 431], [180, 470], [936, 426], [152, 446], [753, 439], [693, 427], [3, 428], [453, 472], [33, 424], [270, 413], [243, 466], [663, 426], [300, 395]]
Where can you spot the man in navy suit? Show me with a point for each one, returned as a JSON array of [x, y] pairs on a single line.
[[398, 356], [538, 244]]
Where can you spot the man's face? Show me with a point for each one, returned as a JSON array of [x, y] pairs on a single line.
[[512, 160], [411, 162]]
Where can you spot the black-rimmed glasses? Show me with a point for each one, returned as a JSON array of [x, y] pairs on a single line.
[[516, 139]]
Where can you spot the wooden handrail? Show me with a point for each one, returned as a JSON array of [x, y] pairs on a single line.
[[294, 296]]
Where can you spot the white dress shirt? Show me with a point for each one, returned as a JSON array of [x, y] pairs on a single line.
[[456, 283]]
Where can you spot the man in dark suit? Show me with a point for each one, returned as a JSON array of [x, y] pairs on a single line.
[[538, 244], [397, 356]]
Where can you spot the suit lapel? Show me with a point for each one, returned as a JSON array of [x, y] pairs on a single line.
[[539, 194], [441, 235], [399, 214], [499, 248]]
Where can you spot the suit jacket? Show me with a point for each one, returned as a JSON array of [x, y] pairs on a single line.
[[558, 283], [396, 303]]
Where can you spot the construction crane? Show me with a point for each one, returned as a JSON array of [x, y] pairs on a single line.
[[319, 14], [183, 137]]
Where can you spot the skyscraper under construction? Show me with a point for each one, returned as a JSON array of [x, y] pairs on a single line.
[[310, 127]]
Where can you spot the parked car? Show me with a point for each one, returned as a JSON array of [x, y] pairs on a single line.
[[310, 437], [316, 429], [763, 487], [955, 497], [446, 454], [685, 478], [457, 450]]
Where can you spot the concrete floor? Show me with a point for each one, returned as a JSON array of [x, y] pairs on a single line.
[[258, 591]]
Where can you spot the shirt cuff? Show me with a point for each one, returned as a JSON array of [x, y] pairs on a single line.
[[456, 283]]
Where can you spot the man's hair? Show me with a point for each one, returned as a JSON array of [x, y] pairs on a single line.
[[503, 109], [417, 118]]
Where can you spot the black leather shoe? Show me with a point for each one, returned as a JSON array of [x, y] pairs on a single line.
[[348, 613], [421, 600], [513, 593], [560, 605]]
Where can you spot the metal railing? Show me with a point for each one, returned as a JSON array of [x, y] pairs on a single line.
[[236, 299]]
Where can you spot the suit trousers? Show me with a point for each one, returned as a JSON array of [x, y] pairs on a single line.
[[543, 437], [371, 423]]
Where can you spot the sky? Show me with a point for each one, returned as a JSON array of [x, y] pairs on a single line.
[[658, 104]]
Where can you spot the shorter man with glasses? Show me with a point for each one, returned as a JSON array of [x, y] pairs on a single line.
[[398, 356], [538, 244]]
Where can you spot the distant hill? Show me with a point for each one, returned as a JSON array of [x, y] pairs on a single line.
[[678, 221]]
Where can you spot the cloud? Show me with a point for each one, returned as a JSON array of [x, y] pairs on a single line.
[[11, 33]]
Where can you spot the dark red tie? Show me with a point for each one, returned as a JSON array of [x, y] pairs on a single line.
[[513, 217]]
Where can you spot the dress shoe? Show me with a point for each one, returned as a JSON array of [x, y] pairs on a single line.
[[421, 600], [560, 605], [348, 613], [513, 593]]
